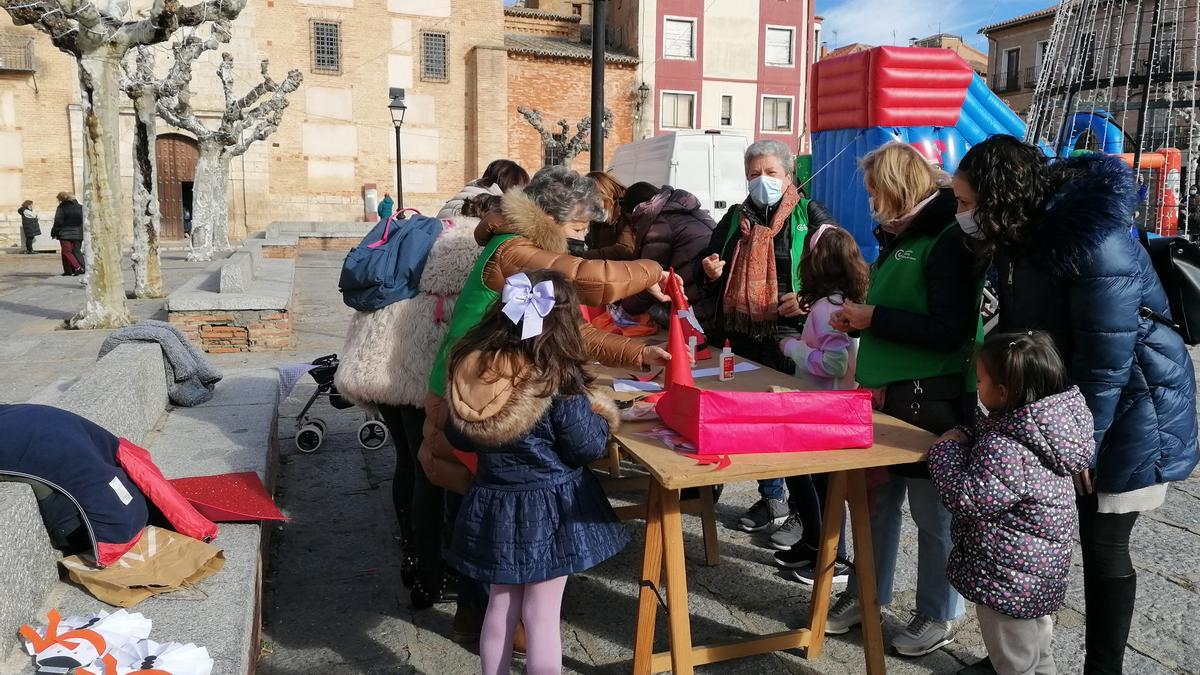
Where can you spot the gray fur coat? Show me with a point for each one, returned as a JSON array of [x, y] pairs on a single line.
[[389, 352]]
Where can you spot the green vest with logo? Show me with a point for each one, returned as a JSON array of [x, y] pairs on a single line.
[[799, 227], [898, 281], [473, 302]]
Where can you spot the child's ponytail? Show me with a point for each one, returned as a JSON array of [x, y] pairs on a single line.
[[1027, 365]]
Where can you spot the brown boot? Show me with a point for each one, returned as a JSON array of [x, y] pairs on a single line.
[[468, 622], [519, 640]]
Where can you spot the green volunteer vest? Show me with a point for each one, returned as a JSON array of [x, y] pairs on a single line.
[[473, 302], [799, 225], [899, 281]]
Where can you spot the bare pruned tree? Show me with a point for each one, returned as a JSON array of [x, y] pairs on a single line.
[[145, 90], [252, 117], [98, 36], [565, 147]]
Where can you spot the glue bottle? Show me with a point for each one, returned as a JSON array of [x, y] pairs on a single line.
[[726, 362], [692, 350]]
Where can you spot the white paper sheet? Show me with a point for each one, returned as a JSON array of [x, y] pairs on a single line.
[[633, 386], [172, 657]]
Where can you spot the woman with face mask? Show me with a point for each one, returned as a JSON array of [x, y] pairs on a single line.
[[918, 325], [750, 267], [1059, 236]]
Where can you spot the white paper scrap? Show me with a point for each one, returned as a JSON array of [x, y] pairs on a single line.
[[632, 386], [739, 367]]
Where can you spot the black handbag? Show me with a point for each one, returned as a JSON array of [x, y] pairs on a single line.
[[1177, 263]]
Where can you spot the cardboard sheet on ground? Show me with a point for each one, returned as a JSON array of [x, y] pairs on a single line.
[[161, 562], [230, 498]]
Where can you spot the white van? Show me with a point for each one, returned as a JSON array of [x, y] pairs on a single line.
[[708, 164]]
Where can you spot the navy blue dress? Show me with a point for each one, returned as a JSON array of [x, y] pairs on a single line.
[[534, 511]]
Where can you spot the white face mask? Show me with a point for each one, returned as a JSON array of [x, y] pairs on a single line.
[[966, 221]]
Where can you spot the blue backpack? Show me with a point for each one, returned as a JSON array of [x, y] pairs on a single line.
[[386, 266]]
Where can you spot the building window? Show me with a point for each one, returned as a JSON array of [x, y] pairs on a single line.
[[726, 111], [552, 153], [326, 47], [679, 38], [776, 114], [1010, 71], [433, 57], [779, 51], [16, 53], [678, 111]]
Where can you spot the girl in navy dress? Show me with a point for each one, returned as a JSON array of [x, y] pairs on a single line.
[[520, 400], [1007, 484]]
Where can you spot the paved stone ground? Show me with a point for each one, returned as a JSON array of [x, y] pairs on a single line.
[[333, 598]]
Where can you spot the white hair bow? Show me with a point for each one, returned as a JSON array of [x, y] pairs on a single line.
[[525, 302]]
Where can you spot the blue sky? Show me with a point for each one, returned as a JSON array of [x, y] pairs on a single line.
[[874, 21]]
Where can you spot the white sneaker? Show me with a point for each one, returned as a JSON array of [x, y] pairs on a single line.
[[843, 615], [924, 635]]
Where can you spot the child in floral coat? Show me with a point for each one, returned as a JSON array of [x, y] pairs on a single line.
[[1008, 485]]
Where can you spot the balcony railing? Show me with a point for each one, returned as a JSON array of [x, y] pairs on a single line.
[[1015, 80], [16, 53]]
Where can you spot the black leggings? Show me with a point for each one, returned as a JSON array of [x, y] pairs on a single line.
[[419, 503], [1104, 538], [806, 499]]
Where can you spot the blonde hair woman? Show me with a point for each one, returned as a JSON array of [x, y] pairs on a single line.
[[918, 324], [611, 238]]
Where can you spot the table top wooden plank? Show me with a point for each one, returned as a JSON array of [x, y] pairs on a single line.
[[896, 442]]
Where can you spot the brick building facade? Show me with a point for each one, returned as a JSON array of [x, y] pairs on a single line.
[[337, 136]]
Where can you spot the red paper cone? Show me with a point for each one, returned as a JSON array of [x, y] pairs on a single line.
[[679, 368]]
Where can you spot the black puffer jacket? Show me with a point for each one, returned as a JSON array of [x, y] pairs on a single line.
[[1083, 278], [68, 221], [673, 231]]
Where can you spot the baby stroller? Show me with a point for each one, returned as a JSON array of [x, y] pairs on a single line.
[[310, 431]]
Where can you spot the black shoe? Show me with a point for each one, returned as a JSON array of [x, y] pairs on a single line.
[[78, 273], [807, 575], [983, 667], [764, 514], [788, 535], [799, 555]]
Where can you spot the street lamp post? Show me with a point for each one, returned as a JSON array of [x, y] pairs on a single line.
[[397, 108]]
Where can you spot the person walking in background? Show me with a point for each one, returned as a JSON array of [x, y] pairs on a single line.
[[1059, 234], [68, 230], [520, 399], [1006, 480], [386, 207], [498, 178], [30, 227]]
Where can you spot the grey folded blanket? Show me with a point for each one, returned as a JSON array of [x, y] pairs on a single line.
[[190, 377]]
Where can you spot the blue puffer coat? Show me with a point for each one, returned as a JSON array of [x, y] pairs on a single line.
[[534, 511], [1084, 278]]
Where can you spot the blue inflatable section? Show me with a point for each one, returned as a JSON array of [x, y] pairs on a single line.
[[1101, 125], [838, 183]]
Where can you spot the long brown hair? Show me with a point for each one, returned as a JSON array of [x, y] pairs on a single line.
[[555, 358], [834, 265], [610, 190]]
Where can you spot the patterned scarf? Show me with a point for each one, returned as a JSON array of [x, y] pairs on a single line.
[[752, 294]]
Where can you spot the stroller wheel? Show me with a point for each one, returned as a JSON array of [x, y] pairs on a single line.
[[372, 435], [319, 423], [309, 438]]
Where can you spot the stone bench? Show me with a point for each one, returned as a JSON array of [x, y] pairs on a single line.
[[235, 431], [241, 304], [317, 236]]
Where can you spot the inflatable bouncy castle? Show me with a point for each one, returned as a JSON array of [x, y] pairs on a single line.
[[929, 98]]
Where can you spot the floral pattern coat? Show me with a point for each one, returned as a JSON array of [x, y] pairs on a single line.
[[1012, 500]]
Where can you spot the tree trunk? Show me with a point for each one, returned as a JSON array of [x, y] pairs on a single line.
[[147, 270], [210, 202], [100, 97]]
